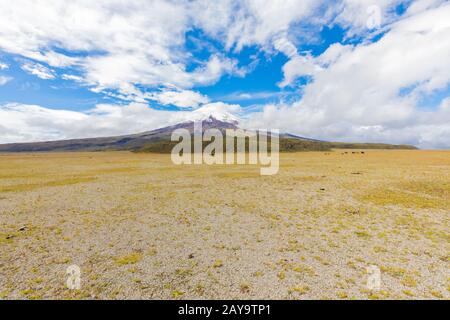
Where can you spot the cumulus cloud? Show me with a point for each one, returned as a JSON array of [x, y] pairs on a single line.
[[140, 41], [252, 22], [363, 16], [299, 66], [143, 42], [120, 43], [358, 94], [181, 98]]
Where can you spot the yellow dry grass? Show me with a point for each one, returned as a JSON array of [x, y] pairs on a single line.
[[141, 227]]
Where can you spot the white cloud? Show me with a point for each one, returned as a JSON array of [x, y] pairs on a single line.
[[364, 16], [299, 66], [140, 41], [38, 70], [307, 65], [422, 5], [122, 44], [357, 94], [72, 77], [251, 22], [354, 93], [143, 42], [27, 123], [4, 80], [239, 96], [181, 98]]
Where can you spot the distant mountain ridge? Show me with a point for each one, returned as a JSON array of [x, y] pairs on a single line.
[[159, 141]]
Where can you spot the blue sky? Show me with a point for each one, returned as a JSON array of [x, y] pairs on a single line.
[[258, 87], [338, 70]]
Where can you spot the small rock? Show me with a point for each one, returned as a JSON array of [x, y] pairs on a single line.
[[23, 228], [191, 256]]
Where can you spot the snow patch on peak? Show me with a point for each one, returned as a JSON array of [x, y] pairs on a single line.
[[219, 111]]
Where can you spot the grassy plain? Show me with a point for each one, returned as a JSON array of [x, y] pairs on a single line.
[[140, 227]]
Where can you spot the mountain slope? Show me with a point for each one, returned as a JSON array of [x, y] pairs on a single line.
[[159, 141], [132, 142]]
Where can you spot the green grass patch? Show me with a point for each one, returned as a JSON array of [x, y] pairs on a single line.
[[131, 258], [54, 183]]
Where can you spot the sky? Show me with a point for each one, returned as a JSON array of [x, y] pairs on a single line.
[[345, 70]]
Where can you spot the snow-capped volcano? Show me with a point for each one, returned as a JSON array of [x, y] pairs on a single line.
[[208, 113], [213, 116], [217, 111]]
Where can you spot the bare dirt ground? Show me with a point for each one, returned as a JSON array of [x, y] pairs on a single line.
[[142, 228]]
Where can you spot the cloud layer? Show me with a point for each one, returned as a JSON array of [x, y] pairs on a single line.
[[42, 124], [373, 86]]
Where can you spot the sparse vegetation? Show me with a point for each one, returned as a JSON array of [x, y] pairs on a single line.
[[218, 263], [140, 227], [131, 258], [299, 290]]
